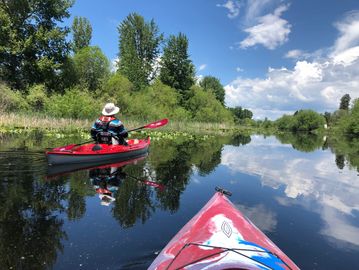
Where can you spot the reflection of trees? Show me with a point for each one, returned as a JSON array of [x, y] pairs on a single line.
[[339, 161], [76, 206], [345, 149], [240, 139], [174, 174], [209, 163], [305, 142], [78, 190], [173, 162], [133, 199], [205, 154], [31, 233]]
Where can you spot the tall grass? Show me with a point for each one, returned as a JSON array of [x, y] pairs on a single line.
[[12, 121]]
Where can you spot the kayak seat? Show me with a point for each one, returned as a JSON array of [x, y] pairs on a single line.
[[96, 147]]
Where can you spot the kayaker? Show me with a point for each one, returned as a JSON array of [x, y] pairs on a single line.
[[107, 128]]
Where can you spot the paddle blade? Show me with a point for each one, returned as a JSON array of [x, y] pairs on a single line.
[[157, 124]]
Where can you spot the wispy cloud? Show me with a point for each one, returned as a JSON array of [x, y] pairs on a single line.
[[255, 9], [312, 84], [295, 54], [349, 32], [233, 7], [202, 67], [238, 69], [271, 30]]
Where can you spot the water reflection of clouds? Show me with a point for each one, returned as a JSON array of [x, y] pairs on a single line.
[[309, 176], [262, 217]]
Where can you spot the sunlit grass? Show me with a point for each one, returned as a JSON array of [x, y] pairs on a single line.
[[10, 122]]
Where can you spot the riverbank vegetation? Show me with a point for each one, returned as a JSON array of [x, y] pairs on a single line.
[[50, 80]]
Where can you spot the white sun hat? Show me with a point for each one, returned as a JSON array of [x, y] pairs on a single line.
[[110, 109]]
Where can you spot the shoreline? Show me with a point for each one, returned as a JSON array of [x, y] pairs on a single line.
[[19, 123]]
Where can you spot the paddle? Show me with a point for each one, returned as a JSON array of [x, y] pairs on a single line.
[[149, 183], [152, 125], [156, 124]]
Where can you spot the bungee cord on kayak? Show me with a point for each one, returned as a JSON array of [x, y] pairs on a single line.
[[224, 249]]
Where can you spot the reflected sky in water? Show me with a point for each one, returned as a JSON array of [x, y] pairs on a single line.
[[311, 180]]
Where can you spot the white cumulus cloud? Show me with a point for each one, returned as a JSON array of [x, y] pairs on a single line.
[[271, 30], [316, 84]]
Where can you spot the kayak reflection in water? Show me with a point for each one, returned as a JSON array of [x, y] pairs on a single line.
[[106, 181], [107, 128]]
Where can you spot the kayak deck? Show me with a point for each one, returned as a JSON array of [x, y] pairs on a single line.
[[221, 237]]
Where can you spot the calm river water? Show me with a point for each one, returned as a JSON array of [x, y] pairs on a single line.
[[302, 192]]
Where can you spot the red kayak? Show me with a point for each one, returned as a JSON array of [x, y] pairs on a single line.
[[221, 237], [88, 153]]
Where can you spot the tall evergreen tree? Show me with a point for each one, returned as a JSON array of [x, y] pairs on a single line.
[[139, 49], [177, 69], [344, 102], [32, 46], [82, 33], [210, 83]]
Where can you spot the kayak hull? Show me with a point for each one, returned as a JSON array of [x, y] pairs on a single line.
[[221, 237], [85, 154], [63, 169]]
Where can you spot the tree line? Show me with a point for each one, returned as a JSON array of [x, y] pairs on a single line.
[[344, 120], [43, 70]]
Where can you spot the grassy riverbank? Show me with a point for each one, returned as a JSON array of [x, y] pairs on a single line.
[[17, 123]]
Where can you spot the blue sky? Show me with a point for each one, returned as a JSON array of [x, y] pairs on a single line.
[[272, 56]]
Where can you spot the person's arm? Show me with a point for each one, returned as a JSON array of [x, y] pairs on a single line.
[[118, 129], [94, 131], [123, 131]]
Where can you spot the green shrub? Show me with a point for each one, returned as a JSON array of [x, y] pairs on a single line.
[[10, 100], [74, 103], [157, 101], [286, 122], [206, 108], [37, 97], [117, 89]]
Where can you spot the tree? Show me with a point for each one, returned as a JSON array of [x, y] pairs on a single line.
[[91, 67], [177, 69], [32, 46], [210, 83], [352, 127], [82, 33], [241, 114], [302, 120], [327, 116], [139, 49], [308, 120], [344, 102]]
